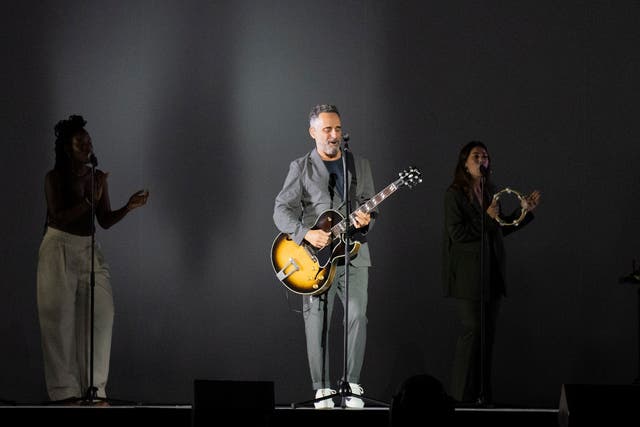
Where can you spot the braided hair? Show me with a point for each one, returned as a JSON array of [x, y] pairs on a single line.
[[65, 130]]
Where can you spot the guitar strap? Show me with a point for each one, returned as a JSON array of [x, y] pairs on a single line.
[[351, 166], [353, 198]]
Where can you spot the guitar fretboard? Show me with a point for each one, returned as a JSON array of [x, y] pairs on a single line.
[[370, 205]]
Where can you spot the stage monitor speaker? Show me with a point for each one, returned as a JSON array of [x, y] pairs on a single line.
[[245, 402], [596, 404]]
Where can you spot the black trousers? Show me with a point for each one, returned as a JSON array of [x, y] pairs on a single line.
[[466, 381]]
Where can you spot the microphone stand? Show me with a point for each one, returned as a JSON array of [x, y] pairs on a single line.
[[634, 278], [345, 389], [481, 400], [91, 396]]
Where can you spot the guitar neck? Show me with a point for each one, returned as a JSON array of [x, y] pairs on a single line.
[[370, 205]]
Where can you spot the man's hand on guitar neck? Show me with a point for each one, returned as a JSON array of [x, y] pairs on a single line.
[[318, 238], [361, 219]]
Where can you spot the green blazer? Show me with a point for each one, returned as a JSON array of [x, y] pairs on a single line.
[[461, 248]]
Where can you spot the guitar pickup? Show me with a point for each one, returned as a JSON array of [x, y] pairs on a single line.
[[282, 274]]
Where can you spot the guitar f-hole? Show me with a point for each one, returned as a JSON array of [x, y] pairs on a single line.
[[282, 274]]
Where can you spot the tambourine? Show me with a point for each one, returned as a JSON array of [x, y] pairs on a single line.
[[523, 210]]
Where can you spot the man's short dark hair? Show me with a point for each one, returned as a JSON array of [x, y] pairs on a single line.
[[321, 108]]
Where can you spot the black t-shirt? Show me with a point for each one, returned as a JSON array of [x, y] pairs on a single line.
[[336, 176]]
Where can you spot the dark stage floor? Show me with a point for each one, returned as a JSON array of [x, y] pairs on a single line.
[[283, 416], [253, 404]]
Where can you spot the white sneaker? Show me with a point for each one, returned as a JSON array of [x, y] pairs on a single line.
[[325, 403], [352, 401]]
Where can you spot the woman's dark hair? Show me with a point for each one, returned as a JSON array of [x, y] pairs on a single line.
[[65, 131], [462, 179]]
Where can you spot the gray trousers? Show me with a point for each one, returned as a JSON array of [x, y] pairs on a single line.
[[317, 311], [64, 291]]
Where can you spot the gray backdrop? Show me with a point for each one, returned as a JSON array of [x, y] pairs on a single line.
[[205, 104]]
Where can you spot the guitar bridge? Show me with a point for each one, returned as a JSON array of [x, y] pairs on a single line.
[[282, 273]]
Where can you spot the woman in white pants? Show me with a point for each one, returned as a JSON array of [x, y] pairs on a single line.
[[64, 267]]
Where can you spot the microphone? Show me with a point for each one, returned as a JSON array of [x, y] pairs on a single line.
[[93, 160], [345, 139], [484, 171]]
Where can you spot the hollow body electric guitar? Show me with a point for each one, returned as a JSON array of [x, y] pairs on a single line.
[[307, 270]]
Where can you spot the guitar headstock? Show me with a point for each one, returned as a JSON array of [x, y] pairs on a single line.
[[411, 176]]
